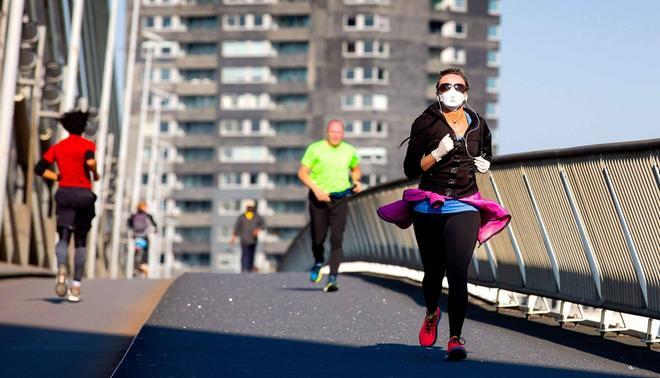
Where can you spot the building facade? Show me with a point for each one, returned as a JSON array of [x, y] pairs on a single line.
[[253, 82]]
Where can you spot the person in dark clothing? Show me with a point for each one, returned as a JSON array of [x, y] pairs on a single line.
[[449, 143], [74, 198], [140, 223], [248, 227]]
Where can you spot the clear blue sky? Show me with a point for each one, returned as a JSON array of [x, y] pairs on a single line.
[[576, 73], [573, 73]]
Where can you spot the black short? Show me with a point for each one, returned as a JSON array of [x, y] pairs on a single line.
[[75, 208]]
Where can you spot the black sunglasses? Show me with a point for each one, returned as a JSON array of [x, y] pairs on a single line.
[[445, 87]]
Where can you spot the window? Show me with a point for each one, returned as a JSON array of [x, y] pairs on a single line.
[[192, 206], [230, 127], [450, 5], [491, 110], [493, 59], [453, 55], [241, 2], [197, 102], [287, 207], [291, 48], [167, 22], [201, 48], [148, 22], [202, 23], [491, 84], [493, 32], [228, 207], [364, 102], [373, 2], [247, 49], [291, 100], [235, 22], [288, 153], [293, 21], [165, 74], [234, 75], [190, 154], [245, 101], [493, 7], [366, 128], [366, 48], [229, 180], [372, 155], [164, 127], [245, 154], [364, 75], [291, 75], [366, 22], [197, 128], [195, 75], [194, 259], [196, 180], [195, 234], [284, 179], [289, 127]]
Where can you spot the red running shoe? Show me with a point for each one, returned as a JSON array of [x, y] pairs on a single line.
[[429, 332], [455, 349]]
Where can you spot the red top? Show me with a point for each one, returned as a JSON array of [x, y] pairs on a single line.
[[70, 155]]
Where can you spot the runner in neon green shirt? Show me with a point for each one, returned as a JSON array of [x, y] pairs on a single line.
[[324, 169]]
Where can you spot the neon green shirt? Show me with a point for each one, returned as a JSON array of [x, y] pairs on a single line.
[[329, 165]]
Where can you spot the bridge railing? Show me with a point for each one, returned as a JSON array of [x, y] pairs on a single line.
[[585, 227]]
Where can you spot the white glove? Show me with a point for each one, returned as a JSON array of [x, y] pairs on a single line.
[[482, 164], [445, 145]]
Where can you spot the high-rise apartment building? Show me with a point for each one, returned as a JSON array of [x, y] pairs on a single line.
[[253, 82]]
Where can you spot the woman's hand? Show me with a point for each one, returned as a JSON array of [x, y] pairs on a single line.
[[445, 145], [482, 164]]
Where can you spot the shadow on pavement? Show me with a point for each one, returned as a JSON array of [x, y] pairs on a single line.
[[171, 352], [41, 352], [633, 355]]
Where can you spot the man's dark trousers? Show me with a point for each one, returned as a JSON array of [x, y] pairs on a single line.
[[247, 257], [324, 215]]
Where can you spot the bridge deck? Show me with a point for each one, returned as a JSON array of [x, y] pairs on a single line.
[[43, 335], [281, 325]]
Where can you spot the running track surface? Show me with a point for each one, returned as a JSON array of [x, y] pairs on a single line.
[[280, 325]]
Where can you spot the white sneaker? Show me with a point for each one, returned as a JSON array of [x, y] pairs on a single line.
[[74, 294]]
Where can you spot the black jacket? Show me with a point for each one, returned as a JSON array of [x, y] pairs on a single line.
[[454, 175]]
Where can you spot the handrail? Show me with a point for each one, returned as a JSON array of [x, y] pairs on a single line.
[[585, 227]]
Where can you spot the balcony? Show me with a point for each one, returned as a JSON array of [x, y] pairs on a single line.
[[202, 114], [197, 61], [196, 87]]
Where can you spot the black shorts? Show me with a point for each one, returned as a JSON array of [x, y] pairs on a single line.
[[75, 208]]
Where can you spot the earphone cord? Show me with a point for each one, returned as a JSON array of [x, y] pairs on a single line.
[[465, 138]]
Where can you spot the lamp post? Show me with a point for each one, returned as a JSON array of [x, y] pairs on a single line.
[[102, 136], [117, 213]]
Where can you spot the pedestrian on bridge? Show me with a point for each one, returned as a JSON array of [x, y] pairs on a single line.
[[74, 198], [324, 169], [448, 144], [140, 223], [247, 228]]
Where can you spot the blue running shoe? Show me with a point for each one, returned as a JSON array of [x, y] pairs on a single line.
[[331, 286], [315, 274]]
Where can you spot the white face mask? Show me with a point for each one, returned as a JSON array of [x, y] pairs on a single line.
[[452, 99]]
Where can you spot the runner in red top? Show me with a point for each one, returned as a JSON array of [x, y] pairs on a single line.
[[75, 161]]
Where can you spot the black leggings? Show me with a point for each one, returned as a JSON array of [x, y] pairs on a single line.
[[446, 243], [325, 215], [62, 248]]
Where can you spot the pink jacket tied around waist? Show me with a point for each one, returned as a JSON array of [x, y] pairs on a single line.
[[494, 218]]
